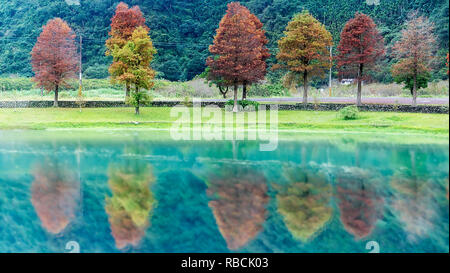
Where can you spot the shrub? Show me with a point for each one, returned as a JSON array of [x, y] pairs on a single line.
[[187, 102], [268, 90], [349, 112], [10, 84], [244, 103], [96, 71]]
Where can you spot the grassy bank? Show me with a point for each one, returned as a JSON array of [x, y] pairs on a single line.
[[159, 118]]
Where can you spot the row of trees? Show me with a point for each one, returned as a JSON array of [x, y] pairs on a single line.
[[55, 59], [239, 52], [182, 30]]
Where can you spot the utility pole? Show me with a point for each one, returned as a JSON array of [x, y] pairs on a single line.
[[81, 62], [331, 66]]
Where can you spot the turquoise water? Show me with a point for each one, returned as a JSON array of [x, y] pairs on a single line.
[[127, 192]]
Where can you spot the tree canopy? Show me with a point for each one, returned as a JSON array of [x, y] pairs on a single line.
[[54, 57], [182, 30], [414, 53], [304, 49]]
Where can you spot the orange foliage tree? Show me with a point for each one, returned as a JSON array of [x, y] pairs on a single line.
[[414, 51], [303, 50], [360, 47], [124, 22], [239, 51], [54, 57]]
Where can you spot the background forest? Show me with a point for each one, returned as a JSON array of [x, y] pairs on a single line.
[[182, 30]]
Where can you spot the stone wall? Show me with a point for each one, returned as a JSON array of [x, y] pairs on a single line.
[[310, 106]]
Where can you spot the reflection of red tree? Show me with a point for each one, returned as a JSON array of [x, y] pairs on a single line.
[[239, 205], [54, 195], [359, 204]]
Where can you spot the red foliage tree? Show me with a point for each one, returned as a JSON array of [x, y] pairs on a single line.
[[360, 47], [258, 72], [54, 57], [239, 49], [124, 22]]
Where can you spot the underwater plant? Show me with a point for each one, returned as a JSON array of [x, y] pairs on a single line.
[[238, 201], [55, 194], [130, 206]]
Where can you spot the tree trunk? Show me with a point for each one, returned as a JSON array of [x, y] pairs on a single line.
[[305, 87], [358, 96], [223, 91], [137, 102], [235, 107], [244, 91], [414, 102], [127, 91], [55, 103]]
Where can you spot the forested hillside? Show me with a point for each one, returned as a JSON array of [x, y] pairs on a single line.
[[182, 30]]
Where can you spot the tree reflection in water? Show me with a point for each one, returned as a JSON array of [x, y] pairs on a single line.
[[239, 200], [55, 195], [130, 206], [304, 202], [416, 203], [359, 203]]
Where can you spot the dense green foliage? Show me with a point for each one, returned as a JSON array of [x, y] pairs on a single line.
[[268, 90], [182, 30], [408, 81], [21, 83], [253, 105], [349, 112]]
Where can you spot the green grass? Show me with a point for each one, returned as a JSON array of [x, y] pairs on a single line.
[[159, 118]]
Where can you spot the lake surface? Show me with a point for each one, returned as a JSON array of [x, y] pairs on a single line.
[[124, 191]]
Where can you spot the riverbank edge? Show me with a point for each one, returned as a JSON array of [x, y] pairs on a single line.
[[426, 109]]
